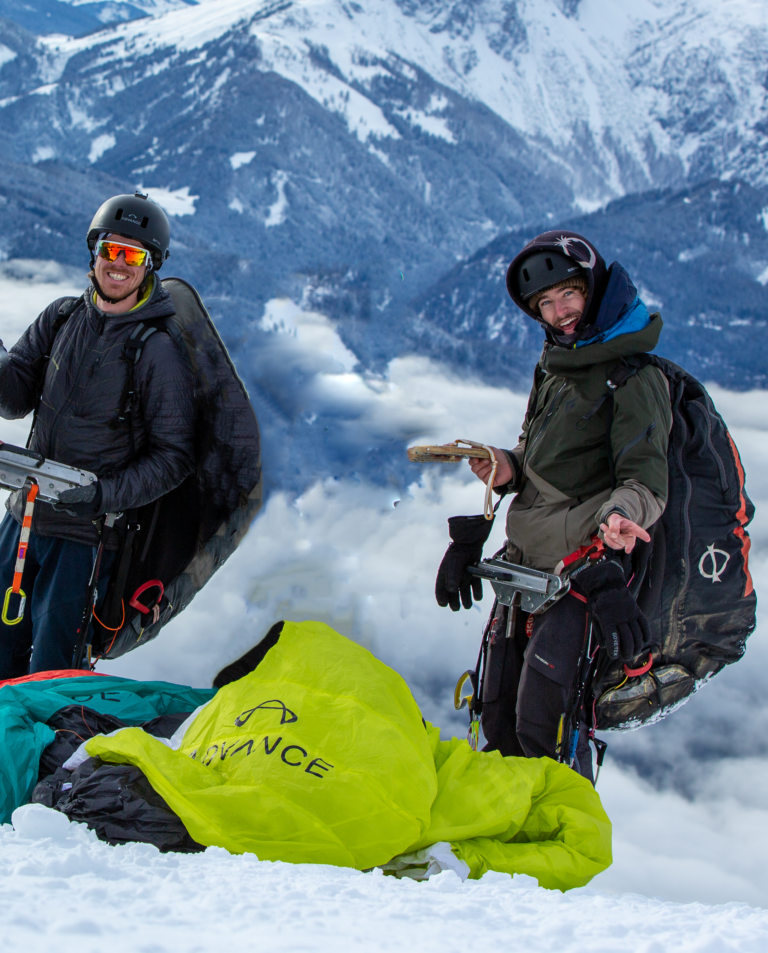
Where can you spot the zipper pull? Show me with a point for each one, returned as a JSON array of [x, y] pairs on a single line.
[[649, 431]]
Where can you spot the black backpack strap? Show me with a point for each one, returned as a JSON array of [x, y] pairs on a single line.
[[66, 309], [133, 348], [618, 377]]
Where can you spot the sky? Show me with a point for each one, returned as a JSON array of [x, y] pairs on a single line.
[[690, 822]]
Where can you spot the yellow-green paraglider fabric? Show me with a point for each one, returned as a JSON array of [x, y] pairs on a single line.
[[321, 756]]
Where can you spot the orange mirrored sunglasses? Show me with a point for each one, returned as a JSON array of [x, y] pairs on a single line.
[[133, 256]]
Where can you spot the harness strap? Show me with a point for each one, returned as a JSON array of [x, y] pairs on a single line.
[[132, 351], [124, 564], [21, 558], [65, 312], [618, 377]]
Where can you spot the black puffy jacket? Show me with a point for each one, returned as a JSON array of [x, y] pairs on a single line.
[[77, 421]]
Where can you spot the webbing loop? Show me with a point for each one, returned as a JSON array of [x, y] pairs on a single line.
[[21, 558]]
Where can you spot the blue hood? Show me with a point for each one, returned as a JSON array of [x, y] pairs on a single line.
[[621, 310]]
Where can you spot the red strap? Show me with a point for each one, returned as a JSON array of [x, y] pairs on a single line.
[[56, 673], [595, 548], [578, 595], [134, 600], [632, 672]]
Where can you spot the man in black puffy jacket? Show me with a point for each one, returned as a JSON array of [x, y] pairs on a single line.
[[76, 367]]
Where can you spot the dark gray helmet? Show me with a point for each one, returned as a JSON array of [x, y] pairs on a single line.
[[540, 270], [134, 216]]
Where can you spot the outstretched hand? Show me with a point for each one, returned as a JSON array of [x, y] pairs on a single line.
[[621, 533], [482, 468]]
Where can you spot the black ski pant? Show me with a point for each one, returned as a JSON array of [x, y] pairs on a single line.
[[530, 679]]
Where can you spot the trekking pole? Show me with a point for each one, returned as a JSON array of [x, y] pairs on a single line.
[[82, 645]]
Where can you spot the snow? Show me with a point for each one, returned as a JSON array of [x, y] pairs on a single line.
[[150, 7], [176, 202], [43, 153], [277, 211], [61, 888], [6, 55], [241, 158], [587, 205], [100, 145], [433, 125]]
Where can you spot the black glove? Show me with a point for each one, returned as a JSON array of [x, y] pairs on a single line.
[[80, 501], [468, 533], [624, 630]]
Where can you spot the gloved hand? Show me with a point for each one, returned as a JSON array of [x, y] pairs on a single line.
[[468, 533], [623, 629], [81, 501], [4, 355]]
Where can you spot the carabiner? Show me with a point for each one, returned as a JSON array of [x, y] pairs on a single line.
[[7, 602], [460, 698]]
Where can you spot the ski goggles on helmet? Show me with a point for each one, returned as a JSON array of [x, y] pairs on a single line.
[[135, 257]]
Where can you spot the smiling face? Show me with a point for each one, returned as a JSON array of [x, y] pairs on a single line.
[[119, 281], [562, 308]]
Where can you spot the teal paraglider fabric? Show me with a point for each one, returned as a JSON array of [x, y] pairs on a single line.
[[25, 706]]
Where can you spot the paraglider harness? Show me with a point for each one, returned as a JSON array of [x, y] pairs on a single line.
[[692, 580], [533, 591], [193, 533]]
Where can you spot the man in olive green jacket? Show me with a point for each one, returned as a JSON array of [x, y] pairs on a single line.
[[591, 462]]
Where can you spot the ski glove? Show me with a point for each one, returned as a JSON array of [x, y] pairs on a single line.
[[80, 501], [468, 533], [623, 630], [4, 356]]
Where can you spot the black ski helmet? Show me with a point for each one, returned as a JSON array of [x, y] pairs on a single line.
[[540, 270], [134, 216], [560, 247]]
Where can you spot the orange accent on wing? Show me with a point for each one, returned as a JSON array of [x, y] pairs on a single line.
[[46, 676], [741, 516]]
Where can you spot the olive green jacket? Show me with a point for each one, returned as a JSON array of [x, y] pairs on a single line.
[[562, 473]]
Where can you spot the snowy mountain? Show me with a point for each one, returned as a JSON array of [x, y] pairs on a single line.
[[78, 17], [348, 154]]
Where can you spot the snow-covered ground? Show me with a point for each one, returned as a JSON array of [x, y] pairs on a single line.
[[63, 890], [344, 554]]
